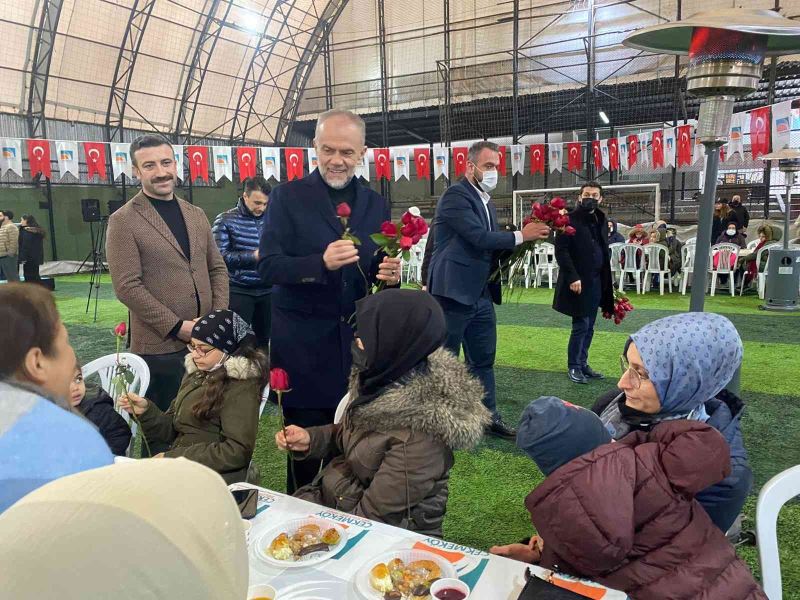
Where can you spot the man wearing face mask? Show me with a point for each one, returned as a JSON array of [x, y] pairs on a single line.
[[741, 212], [584, 278], [465, 238]]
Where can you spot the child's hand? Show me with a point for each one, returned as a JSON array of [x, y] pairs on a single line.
[[133, 403], [521, 552]]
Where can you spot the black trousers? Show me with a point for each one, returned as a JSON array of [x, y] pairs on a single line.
[[257, 311], [166, 373], [30, 270], [305, 470]]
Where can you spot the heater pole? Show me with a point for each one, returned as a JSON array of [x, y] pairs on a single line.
[[703, 244]]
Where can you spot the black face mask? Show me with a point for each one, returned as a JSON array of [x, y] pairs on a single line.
[[359, 357], [635, 418], [588, 204]]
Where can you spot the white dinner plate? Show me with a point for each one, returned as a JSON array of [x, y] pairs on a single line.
[[365, 588], [289, 528]]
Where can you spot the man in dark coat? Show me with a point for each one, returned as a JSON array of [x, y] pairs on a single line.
[[465, 237], [741, 212], [237, 233], [584, 278], [317, 276]]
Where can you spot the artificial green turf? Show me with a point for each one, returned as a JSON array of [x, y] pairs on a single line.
[[488, 485]]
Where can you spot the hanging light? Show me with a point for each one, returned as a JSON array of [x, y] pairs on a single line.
[[604, 117]]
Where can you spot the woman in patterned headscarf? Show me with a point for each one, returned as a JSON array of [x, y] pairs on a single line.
[[677, 368], [214, 418]]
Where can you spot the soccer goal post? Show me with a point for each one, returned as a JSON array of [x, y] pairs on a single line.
[[628, 203]]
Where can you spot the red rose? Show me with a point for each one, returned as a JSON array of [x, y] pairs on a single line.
[[278, 378], [558, 203], [538, 211], [406, 243], [527, 220], [416, 238], [408, 230], [343, 210], [421, 225], [561, 221], [569, 230], [407, 218], [389, 229], [120, 330]]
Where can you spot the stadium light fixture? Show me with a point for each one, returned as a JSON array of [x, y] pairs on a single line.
[[604, 117]]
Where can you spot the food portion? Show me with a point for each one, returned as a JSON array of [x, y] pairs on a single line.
[[405, 581], [306, 540]]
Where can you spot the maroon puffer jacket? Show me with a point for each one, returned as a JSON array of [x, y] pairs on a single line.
[[624, 515]]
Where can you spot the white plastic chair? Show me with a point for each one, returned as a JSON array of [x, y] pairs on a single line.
[[337, 417], [687, 265], [691, 241], [761, 279], [632, 263], [724, 255], [615, 250], [657, 255], [526, 270], [105, 368], [752, 245], [775, 493], [546, 263]]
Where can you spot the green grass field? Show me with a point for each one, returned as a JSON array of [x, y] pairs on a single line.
[[488, 485]]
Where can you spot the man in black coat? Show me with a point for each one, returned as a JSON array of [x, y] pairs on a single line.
[[584, 278], [741, 212]]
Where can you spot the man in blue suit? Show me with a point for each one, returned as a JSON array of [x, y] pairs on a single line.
[[465, 238], [317, 277]]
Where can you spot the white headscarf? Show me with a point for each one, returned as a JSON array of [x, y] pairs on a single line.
[[153, 529]]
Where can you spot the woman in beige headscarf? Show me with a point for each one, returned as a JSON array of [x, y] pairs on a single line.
[[166, 529]]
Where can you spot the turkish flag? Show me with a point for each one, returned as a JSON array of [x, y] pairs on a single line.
[[95, 159], [246, 159], [723, 154], [597, 155], [537, 158], [39, 157], [633, 150], [198, 162], [294, 163], [760, 125], [382, 163], [685, 148], [658, 148], [501, 168], [574, 156], [613, 154], [422, 161], [460, 160]]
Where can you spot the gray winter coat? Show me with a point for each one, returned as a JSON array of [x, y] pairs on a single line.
[[392, 457]]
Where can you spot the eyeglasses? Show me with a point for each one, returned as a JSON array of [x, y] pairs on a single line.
[[635, 377], [200, 350]]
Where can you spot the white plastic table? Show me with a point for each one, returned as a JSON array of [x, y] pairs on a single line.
[[490, 577]]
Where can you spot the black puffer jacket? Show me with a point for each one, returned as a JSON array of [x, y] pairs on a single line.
[[99, 409], [237, 233]]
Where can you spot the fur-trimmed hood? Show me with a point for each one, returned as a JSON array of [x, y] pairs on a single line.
[[444, 401], [237, 367]]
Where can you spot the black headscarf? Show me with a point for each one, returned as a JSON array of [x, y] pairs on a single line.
[[399, 330]]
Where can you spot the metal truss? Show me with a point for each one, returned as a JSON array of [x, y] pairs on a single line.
[[204, 49], [40, 73], [126, 61]]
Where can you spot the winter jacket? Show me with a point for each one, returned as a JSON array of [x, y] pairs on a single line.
[[742, 215], [237, 232], [31, 245], [576, 263], [392, 456], [737, 239], [9, 240], [99, 409], [624, 515], [724, 499], [614, 236], [226, 442]]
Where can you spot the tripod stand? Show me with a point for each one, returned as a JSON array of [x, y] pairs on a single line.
[[96, 254]]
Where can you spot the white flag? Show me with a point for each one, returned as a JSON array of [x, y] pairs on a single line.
[[517, 159], [400, 161], [178, 151], [67, 153], [362, 169], [604, 153], [736, 143], [555, 156], [441, 162], [669, 146], [271, 163], [312, 160], [622, 144], [644, 151], [781, 125], [699, 152], [223, 165], [121, 160], [10, 156]]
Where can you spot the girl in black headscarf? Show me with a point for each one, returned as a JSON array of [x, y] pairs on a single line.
[[411, 404]]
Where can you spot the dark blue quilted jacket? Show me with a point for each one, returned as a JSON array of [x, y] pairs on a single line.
[[237, 233]]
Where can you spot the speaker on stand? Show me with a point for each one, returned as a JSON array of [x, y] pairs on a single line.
[[90, 209]]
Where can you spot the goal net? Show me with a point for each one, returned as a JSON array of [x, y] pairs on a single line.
[[627, 204]]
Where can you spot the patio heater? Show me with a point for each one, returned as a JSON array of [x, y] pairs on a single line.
[[783, 268], [726, 50]]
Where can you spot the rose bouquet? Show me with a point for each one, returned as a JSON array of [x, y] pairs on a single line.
[[622, 306], [397, 239]]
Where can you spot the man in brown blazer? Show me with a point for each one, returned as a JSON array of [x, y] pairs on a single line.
[[164, 265]]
